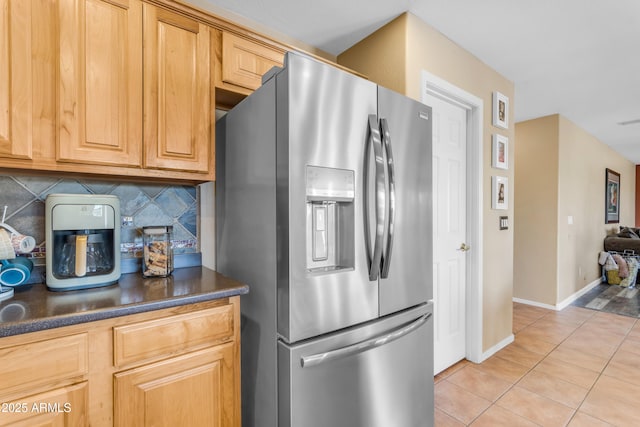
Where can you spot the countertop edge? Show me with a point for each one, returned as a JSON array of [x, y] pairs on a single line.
[[199, 284], [35, 325]]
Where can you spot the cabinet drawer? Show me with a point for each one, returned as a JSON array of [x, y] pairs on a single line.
[[66, 406], [244, 62], [35, 364], [165, 337]]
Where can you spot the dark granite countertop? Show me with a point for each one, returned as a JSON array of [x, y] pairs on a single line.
[[34, 308]]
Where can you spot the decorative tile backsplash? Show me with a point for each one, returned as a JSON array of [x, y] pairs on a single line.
[[140, 205]]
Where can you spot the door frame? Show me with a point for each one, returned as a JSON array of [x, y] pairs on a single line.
[[432, 85]]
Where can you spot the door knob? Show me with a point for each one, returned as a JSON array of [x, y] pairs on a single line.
[[464, 247]]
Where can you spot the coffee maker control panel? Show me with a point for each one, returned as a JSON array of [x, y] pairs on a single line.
[[81, 217]]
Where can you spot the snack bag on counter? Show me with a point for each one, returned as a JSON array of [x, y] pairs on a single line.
[[157, 256]]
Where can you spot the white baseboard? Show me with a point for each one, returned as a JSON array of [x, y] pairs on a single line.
[[566, 302], [508, 340], [496, 348], [535, 303], [578, 294]]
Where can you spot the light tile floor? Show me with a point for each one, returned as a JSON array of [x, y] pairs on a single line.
[[575, 367]]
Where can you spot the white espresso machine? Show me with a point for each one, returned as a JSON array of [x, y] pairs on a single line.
[[82, 241]]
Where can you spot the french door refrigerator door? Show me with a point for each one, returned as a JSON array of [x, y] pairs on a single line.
[[406, 271], [376, 375], [322, 130]]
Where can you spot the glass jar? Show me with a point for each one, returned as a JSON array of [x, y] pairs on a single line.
[[157, 254]]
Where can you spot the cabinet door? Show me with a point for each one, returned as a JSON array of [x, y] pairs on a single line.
[[177, 121], [244, 62], [100, 86], [66, 406], [15, 80], [197, 389]]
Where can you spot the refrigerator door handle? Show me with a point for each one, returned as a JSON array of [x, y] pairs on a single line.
[[386, 338], [376, 256], [386, 143]]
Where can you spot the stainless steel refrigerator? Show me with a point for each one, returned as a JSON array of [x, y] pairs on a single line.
[[323, 206]]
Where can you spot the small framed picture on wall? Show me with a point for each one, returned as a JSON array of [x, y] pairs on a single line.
[[500, 152], [612, 197], [499, 192], [500, 110]]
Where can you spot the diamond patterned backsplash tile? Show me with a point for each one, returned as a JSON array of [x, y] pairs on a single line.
[[146, 204]]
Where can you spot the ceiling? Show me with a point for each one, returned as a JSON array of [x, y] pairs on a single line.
[[578, 58]]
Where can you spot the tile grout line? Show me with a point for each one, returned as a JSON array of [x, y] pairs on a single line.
[[514, 384], [575, 411], [493, 403], [530, 370], [601, 373]]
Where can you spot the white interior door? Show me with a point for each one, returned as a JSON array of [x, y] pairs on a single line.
[[449, 231]]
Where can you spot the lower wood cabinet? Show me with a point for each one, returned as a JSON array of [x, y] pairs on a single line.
[[170, 367], [65, 406], [196, 389]]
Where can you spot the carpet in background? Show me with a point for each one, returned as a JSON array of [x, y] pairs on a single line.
[[612, 299]]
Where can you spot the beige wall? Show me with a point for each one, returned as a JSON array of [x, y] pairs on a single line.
[[427, 49], [583, 160], [381, 56], [536, 210], [560, 176]]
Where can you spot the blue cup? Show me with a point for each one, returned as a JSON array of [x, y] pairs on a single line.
[[14, 272]]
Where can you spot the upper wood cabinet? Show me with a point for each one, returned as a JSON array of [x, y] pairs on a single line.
[[244, 61], [125, 106], [122, 88], [100, 82], [177, 85], [16, 91], [240, 64]]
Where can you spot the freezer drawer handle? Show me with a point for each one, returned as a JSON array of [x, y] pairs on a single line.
[[391, 191], [317, 359], [380, 190]]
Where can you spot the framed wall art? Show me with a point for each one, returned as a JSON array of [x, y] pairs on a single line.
[[499, 192], [612, 197], [500, 110], [500, 152]]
